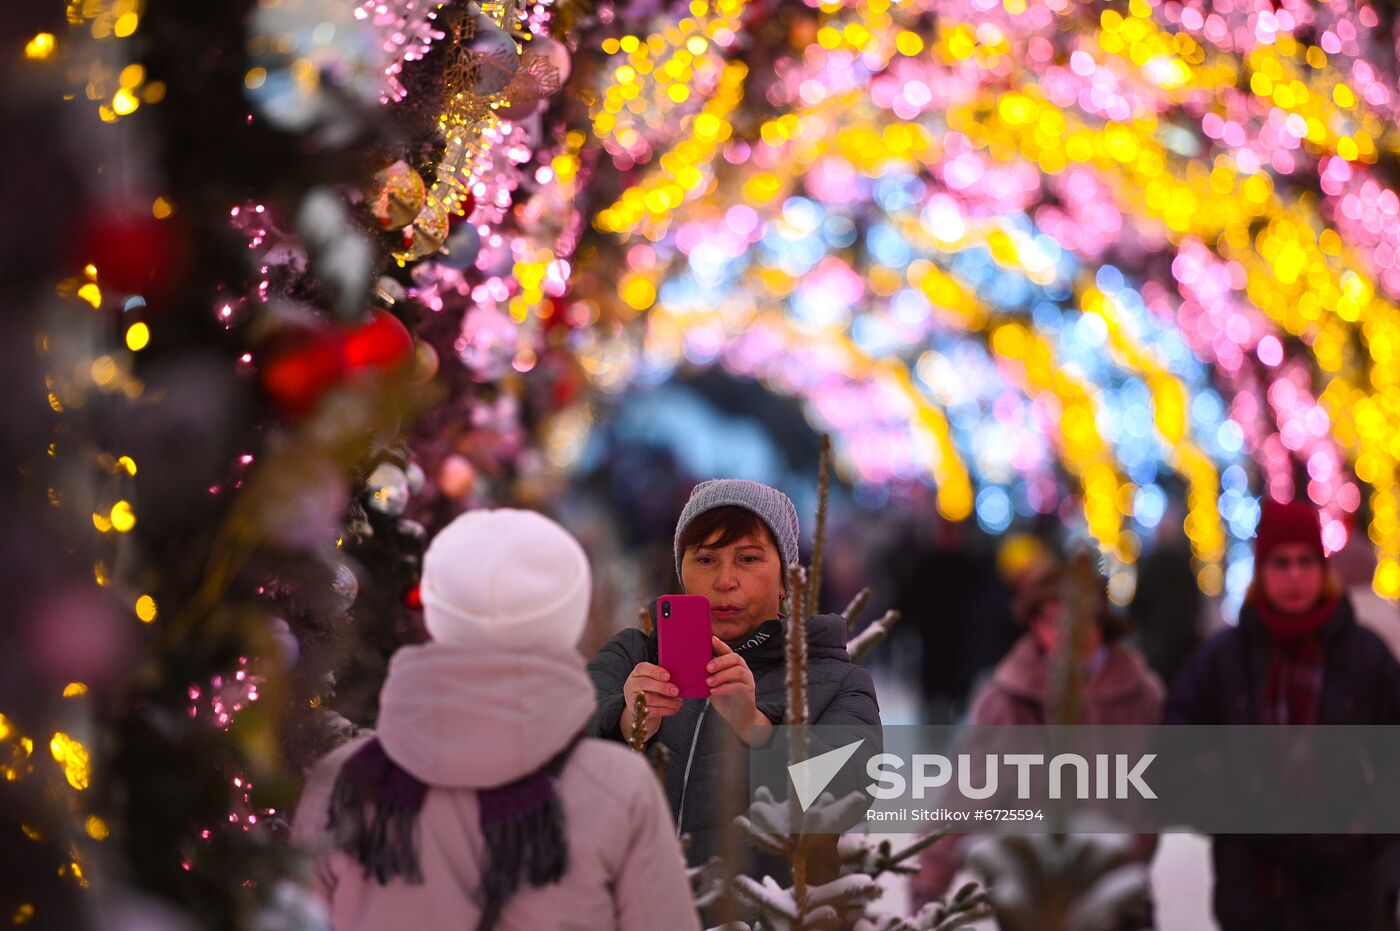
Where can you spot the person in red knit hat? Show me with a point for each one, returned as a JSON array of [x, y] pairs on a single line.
[[1297, 656]]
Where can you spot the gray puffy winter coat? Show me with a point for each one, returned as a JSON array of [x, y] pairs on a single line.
[[699, 739]]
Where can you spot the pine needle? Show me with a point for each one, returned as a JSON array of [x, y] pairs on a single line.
[[819, 542]]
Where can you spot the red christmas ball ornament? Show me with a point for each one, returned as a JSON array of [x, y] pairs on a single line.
[[413, 597], [382, 343], [139, 255], [463, 213], [300, 365]]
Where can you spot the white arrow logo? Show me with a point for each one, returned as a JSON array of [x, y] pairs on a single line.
[[811, 777]]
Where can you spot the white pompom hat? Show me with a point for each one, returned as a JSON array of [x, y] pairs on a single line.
[[512, 577]]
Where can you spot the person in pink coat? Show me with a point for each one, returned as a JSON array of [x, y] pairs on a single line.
[[1119, 689], [476, 802]]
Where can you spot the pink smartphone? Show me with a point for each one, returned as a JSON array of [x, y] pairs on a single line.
[[683, 630]]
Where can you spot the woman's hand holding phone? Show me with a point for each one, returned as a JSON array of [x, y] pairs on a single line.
[[734, 695], [662, 697]]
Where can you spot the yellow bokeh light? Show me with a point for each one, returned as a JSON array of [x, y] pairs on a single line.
[[138, 336], [1387, 578], [657, 202], [125, 25], [909, 43], [146, 609], [707, 126], [40, 47], [73, 757], [125, 103], [74, 689], [75, 869], [90, 293], [637, 291], [123, 519], [1017, 109], [856, 35], [762, 188], [161, 208], [97, 828], [955, 501]]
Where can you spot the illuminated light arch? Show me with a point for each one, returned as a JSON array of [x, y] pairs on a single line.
[[1172, 147]]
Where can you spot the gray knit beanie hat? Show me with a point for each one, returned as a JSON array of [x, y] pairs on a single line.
[[772, 507]]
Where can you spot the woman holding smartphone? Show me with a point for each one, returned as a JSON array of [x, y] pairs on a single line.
[[733, 543]]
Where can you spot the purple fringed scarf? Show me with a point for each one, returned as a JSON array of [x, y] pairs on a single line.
[[374, 814]]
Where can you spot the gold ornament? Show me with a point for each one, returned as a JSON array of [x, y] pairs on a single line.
[[426, 235], [397, 196]]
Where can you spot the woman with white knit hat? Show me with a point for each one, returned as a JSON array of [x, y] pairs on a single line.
[[733, 543], [477, 802]]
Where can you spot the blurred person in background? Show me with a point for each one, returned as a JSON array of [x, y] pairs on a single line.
[[1119, 689], [967, 627], [1298, 657], [1166, 606]]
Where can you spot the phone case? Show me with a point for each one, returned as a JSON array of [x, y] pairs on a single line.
[[685, 642]]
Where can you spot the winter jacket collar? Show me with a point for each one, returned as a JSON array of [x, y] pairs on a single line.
[[826, 639], [768, 630], [1025, 673], [479, 717]]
